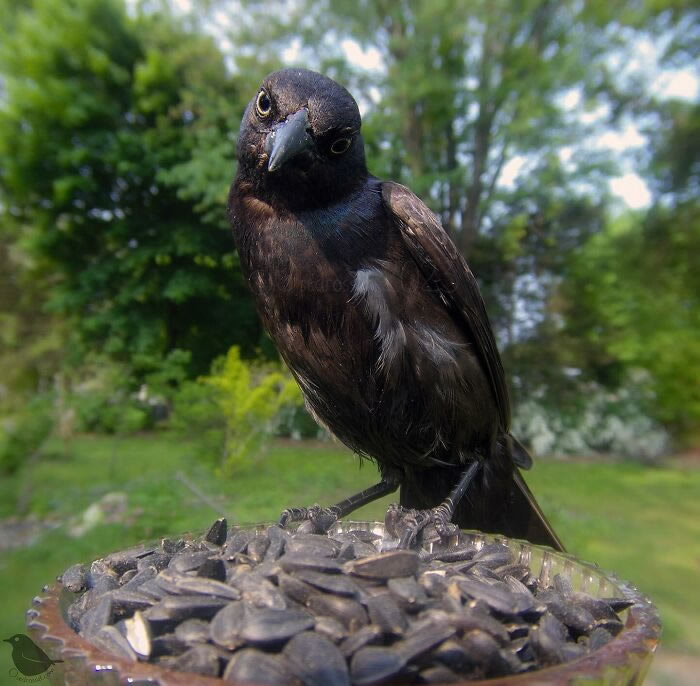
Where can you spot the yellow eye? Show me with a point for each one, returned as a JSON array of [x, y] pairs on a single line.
[[263, 106], [340, 145]]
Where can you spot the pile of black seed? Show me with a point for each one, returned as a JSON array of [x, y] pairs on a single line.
[[280, 608]]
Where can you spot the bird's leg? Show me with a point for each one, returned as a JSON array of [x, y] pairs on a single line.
[[323, 518], [406, 523]]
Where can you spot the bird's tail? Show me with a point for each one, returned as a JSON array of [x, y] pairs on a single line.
[[506, 506], [539, 530], [497, 503]]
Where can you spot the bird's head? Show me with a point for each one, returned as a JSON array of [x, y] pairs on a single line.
[[16, 639], [300, 139]]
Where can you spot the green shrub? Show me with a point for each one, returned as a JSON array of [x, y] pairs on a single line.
[[197, 415], [296, 423], [235, 409], [23, 434], [107, 398], [96, 411], [132, 419]]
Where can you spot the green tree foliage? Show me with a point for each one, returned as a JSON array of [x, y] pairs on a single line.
[[634, 291], [117, 135], [116, 148]]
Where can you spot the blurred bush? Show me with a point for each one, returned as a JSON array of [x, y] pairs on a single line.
[[601, 422], [235, 409], [296, 423], [197, 416], [23, 434]]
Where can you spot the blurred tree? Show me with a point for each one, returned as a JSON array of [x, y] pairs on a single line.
[[30, 346], [117, 153], [117, 134], [633, 297]]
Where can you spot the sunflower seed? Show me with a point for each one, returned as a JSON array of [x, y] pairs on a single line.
[[498, 598], [258, 591], [193, 631], [370, 633], [138, 579], [202, 586], [186, 562], [349, 612], [278, 540], [291, 561], [576, 617], [313, 545], [75, 578], [421, 642], [96, 617], [453, 654], [226, 626], [253, 666], [168, 644], [316, 660], [126, 602], [408, 592], [618, 604], [156, 559], [111, 641], [331, 628], [373, 665], [217, 532], [201, 659], [138, 633], [270, 627], [179, 608], [385, 613], [304, 608], [238, 542], [294, 588], [213, 568], [598, 638], [257, 548], [385, 565], [333, 583]]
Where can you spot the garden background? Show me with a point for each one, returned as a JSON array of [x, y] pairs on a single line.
[[139, 396]]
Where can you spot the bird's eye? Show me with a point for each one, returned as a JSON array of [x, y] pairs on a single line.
[[340, 145], [263, 106]]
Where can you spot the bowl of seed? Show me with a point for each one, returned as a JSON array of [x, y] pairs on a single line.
[[284, 607]]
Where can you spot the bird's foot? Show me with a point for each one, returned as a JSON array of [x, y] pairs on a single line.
[[407, 524], [315, 519]]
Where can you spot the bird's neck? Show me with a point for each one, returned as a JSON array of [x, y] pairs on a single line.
[[295, 193]]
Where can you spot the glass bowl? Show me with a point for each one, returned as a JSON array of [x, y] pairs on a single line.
[[625, 660]]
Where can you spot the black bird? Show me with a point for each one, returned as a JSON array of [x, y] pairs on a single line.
[[28, 657], [378, 317]]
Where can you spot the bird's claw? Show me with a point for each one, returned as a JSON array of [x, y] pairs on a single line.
[[319, 519], [407, 524]]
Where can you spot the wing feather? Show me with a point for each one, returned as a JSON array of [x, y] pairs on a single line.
[[445, 268]]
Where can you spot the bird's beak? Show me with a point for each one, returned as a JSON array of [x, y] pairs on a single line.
[[288, 140]]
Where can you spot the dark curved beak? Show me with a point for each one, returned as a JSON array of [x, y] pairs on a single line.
[[288, 140]]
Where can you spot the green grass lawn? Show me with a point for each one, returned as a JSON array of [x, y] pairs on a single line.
[[641, 522]]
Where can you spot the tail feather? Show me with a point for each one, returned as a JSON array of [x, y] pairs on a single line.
[[502, 505], [539, 530]]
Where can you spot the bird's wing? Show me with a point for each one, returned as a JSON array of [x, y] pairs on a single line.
[[445, 268]]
